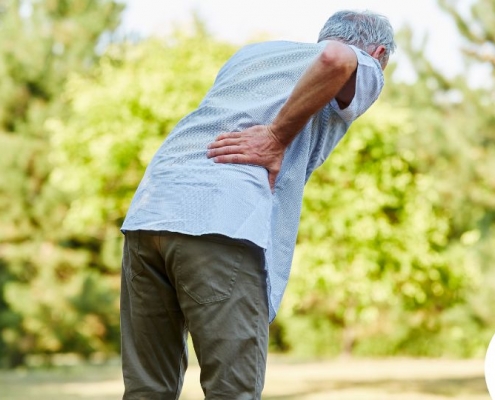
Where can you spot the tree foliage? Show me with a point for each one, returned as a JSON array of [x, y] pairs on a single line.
[[476, 26], [373, 267], [41, 42]]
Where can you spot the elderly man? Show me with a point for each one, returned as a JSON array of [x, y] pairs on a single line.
[[210, 233]]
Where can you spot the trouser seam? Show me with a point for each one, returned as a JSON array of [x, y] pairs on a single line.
[[259, 344]]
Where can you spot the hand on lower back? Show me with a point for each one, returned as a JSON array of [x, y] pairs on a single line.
[[256, 145]]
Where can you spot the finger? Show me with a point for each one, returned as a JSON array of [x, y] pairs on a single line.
[[224, 142], [222, 151]]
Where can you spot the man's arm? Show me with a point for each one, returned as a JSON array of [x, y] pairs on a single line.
[[264, 145]]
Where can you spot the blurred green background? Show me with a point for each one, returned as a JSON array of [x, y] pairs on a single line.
[[395, 254]]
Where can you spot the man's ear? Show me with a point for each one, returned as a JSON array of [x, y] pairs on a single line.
[[379, 52]]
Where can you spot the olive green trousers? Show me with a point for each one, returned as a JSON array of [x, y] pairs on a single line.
[[210, 286]]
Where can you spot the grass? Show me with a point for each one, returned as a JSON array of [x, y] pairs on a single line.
[[343, 379]]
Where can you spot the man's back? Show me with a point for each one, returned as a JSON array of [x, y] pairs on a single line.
[[186, 192]]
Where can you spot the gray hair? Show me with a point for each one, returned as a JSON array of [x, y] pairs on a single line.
[[365, 30]]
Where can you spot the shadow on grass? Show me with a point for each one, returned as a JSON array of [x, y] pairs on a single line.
[[455, 388]]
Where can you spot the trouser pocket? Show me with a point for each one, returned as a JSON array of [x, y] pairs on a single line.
[[207, 267]]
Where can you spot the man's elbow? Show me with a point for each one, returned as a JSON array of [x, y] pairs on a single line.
[[337, 57]]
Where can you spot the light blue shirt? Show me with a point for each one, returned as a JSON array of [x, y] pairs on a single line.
[[184, 191]]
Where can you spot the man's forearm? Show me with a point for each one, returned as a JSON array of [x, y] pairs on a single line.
[[265, 145], [321, 82]]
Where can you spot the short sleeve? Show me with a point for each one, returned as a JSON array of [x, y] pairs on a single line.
[[369, 84]]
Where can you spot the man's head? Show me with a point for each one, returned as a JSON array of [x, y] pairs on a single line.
[[366, 30]]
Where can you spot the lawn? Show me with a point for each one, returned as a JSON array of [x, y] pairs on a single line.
[[342, 379]]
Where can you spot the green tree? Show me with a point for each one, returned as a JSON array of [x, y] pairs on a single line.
[[372, 274], [41, 43], [476, 26], [455, 143]]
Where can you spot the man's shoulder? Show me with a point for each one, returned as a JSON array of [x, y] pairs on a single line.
[[271, 51], [280, 45]]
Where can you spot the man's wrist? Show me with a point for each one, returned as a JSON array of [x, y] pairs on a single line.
[[279, 135]]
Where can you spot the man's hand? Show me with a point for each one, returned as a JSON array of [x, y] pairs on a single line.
[[256, 145]]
